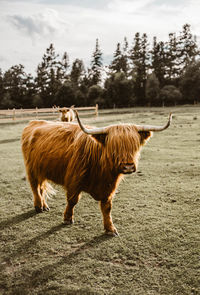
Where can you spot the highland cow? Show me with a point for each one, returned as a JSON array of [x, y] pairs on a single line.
[[82, 159], [67, 115]]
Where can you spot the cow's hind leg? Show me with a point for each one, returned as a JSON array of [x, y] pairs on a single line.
[[39, 191], [42, 192], [109, 227], [37, 200], [72, 200]]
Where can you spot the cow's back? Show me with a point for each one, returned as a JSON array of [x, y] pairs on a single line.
[[47, 148]]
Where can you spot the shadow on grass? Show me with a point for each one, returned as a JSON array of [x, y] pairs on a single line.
[[17, 219], [32, 243], [9, 140], [41, 275]]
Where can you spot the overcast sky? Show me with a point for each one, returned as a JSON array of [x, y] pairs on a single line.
[[27, 27]]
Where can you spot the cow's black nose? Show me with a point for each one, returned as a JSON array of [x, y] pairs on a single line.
[[128, 168]]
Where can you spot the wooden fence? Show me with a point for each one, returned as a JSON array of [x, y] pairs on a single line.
[[20, 114]]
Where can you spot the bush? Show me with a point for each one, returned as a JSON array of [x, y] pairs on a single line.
[[152, 90], [95, 93], [170, 95], [119, 91], [190, 83]]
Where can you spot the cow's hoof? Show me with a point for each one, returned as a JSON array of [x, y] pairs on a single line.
[[38, 209], [68, 222], [46, 208], [112, 233]]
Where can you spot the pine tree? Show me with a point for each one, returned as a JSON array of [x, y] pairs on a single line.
[[139, 56], [116, 65], [172, 69], [77, 80], [14, 81], [158, 61], [96, 66], [125, 56], [30, 92], [62, 68], [51, 74], [187, 47], [120, 60], [144, 58], [135, 53], [77, 72], [41, 82]]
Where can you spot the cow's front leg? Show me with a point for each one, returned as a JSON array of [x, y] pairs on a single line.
[[107, 219], [72, 200]]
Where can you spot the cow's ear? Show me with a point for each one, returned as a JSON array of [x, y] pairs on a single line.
[[144, 136], [100, 137]]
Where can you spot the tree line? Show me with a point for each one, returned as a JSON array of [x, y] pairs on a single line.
[[165, 73]]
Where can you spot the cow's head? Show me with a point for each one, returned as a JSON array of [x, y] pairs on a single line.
[[122, 143], [64, 110]]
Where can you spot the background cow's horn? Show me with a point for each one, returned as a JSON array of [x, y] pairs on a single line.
[[92, 131], [154, 128]]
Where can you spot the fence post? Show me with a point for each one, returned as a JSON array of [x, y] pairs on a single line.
[[96, 110], [14, 114]]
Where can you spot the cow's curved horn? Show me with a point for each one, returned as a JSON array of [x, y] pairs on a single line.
[[93, 131], [154, 128]]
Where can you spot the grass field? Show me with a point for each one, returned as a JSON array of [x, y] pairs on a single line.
[[156, 212]]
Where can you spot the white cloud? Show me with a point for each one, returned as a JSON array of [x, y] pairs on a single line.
[[41, 25], [28, 27], [128, 6]]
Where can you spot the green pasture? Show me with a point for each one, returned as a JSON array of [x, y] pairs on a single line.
[[156, 212]]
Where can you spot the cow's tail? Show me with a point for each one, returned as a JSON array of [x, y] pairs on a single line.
[[46, 189]]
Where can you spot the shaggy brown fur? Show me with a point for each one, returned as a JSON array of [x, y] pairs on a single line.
[[61, 152]]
